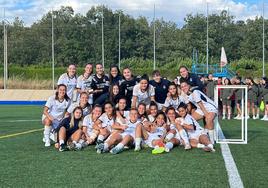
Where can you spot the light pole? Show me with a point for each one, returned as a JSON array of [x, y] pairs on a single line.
[[154, 36], [5, 51], [263, 44], [207, 37], [119, 40], [52, 50], [102, 38]]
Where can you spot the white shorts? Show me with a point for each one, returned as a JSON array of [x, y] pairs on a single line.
[[124, 134], [210, 109], [196, 134], [151, 138]]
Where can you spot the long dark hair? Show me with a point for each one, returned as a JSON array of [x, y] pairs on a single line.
[[114, 110], [145, 77], [111, 78], [145, 115], [132, 76], [57, 92], [112, 97], [173, 84]]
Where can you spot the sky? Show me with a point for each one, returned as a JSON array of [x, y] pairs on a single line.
[[31, 11]]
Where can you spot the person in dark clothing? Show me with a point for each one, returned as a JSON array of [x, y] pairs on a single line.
[[127, 85], [100, 85], [210, 86], [115, 76], [70, 130], [190, 78], [161, 88]]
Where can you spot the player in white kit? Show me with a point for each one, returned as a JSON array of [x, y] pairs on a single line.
[[69, 79], [54, 111], [197, 135], [205, 108], [90, 134]]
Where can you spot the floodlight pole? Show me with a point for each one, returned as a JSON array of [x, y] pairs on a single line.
[[119, 40], [52, 51], [5, 53], [102, 38], [154, 36], [207, 37], [263, 44]]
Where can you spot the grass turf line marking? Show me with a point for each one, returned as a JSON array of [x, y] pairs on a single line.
[[21, 133], [232, 171], [21, 120]]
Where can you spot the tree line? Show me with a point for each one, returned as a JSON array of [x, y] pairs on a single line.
[[78, 38]]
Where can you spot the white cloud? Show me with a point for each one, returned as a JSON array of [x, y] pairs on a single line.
[[174, 10]]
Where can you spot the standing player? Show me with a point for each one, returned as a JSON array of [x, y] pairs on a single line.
[[161, 88], [100, 85], [127, 85], [54, 111], [84, 83], [225, 97], [205, 107], [69, 79]]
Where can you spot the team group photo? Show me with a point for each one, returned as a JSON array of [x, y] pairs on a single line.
[[134, 93]]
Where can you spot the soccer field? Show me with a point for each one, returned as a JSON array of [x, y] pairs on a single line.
[[25, 162]]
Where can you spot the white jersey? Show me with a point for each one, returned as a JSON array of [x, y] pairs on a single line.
[[171, 102], [85, 85], [69, 82], [86, 110], [56, 108], [198, 96], [131, 127], [88, 122], [106, 122], [125, 117], [189, 120], [151, 118], [144, 97]]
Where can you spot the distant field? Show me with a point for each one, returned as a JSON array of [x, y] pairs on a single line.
[[25, 162]]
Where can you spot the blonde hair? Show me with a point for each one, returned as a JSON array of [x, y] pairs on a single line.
[[80, 123]]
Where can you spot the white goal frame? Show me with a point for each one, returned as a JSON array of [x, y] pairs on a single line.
[[244, 122]]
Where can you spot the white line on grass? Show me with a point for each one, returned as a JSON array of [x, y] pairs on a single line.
[[21, 120], [232, 171]]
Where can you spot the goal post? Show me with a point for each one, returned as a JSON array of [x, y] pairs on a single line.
[[220, 137]]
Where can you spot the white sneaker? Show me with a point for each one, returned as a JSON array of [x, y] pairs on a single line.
[[229, 117], [239, 118], [187, 147], [52, 137], [258, 116], [47, 143], [167, 150], [137, 148], [264, 117], [254, 117], [248, 117], [44, 140], [223, 117]]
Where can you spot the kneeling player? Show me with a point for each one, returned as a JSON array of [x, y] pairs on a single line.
[[197, 135]]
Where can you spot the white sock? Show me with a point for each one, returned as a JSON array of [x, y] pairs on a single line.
[[169, 136], [47, 130], [210, 145], [200, 145], [81, 141], [184, 136], [101, 137], [211, 136], [74, 142], [106, 147], [169, 145], [138, 142], [120, 146], [61, 142]]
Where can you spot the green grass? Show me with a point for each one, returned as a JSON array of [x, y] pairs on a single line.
[[25, 162]]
